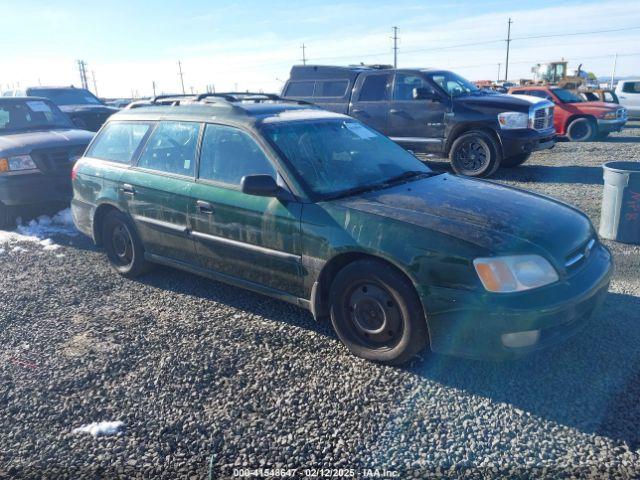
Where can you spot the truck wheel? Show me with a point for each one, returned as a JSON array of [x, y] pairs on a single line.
[[581, 130], [475, 154], [376, 313], [123, 246], [516, 160]]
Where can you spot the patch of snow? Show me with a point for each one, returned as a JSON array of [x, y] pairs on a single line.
[[39, 231], [100, 428]]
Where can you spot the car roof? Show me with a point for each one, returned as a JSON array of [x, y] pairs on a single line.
[[25, 98], [245, 108]]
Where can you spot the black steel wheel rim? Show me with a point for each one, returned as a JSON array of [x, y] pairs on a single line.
[[375, 318], [121, 245], [580, 130], [472, 155]]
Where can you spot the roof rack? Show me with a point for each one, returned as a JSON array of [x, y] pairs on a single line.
[[223, 97]]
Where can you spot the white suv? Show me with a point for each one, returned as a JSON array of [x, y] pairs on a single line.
[[628, 92]]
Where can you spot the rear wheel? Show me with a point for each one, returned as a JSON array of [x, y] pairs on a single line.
[[123, 246], [376, 313], [581, 130], [516, 160], [475, 154]]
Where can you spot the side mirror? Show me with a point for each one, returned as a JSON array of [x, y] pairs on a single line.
[[260, 185], [422, 93]]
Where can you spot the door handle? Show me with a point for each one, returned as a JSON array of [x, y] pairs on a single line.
[[393, 110], [400, 113], [360, 112], [128, 189], [204, 207]]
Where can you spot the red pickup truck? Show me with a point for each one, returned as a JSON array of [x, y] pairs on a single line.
[[575, 118]]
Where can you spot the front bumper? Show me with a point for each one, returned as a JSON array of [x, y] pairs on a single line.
[[22, 189], [518, 142], [611, 125], [472, 324]]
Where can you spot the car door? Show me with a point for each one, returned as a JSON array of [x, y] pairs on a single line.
[[412, 121], [156, 190], [256, 239], [630, 97], [370, 104]]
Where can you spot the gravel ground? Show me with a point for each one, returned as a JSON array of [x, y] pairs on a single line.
[[206, 377]]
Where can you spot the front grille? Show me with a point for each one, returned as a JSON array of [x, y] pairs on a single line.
[[543, 118], [90, 121], [579, 256], [56, 161]]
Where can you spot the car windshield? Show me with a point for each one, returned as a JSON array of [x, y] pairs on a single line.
[[452, 84], [66, 96], [567, 96], [337, 157], [28, 115]]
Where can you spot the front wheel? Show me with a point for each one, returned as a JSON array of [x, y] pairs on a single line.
[[475, 154], [123, 246], [516, 160], [5, 216], [581, 130], [376, 313]]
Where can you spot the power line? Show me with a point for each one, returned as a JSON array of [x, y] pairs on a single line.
[[576, 33]]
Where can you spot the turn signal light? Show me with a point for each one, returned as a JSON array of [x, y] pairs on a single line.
[[74, 171], [4, 165]]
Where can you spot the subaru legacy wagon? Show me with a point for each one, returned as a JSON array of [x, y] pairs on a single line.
[[317, 209]]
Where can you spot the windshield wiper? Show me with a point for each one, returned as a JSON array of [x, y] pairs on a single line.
[[409, 174], [378, 186]]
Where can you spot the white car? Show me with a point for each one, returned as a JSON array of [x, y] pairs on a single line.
[[628, 92]]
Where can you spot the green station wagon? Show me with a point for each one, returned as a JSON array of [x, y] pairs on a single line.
[[315, 208]]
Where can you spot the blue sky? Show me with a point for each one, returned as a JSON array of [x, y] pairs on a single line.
[[252, 44]]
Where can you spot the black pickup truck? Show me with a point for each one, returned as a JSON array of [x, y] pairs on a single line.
[[432, 112]]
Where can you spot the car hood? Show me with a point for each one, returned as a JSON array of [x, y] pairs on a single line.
[[598, 105], [496, 218], [87, 109], [25, 142], [514, 103]]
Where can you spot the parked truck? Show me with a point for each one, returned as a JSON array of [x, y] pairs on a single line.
[[577, 119], [432, 112], [628, 91]]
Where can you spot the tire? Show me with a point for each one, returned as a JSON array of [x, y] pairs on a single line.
[[6, 219], [123, 246], [581, 130], [475, 154], [376, 313], [516, 160]]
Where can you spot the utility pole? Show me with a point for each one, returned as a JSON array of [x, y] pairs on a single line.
[[181, 76], [613, 72], [499, 65], [395, 47], [95, 84], [506, 65], [153, 85], [304, 54], [82, 67]]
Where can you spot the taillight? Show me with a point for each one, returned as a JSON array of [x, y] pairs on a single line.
[[74, 171]]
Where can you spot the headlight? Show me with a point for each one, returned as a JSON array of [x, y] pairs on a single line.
[[609, 116], [511, 120], [18, 162], [514, 273]]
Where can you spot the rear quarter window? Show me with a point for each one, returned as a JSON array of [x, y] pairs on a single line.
[[300, 89], [119, 141], [331, 88]]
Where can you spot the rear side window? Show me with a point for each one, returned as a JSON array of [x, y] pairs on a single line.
[[172, 148], [228, 154], [119, 141], [375, 88], [300, 89], [331, 88], [631, 87]]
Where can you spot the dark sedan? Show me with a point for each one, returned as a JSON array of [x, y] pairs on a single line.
[[38, 146]]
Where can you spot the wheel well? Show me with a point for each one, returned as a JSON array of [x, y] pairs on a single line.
[[575, 117], [98, 218], [468, 128], [320, 296]]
